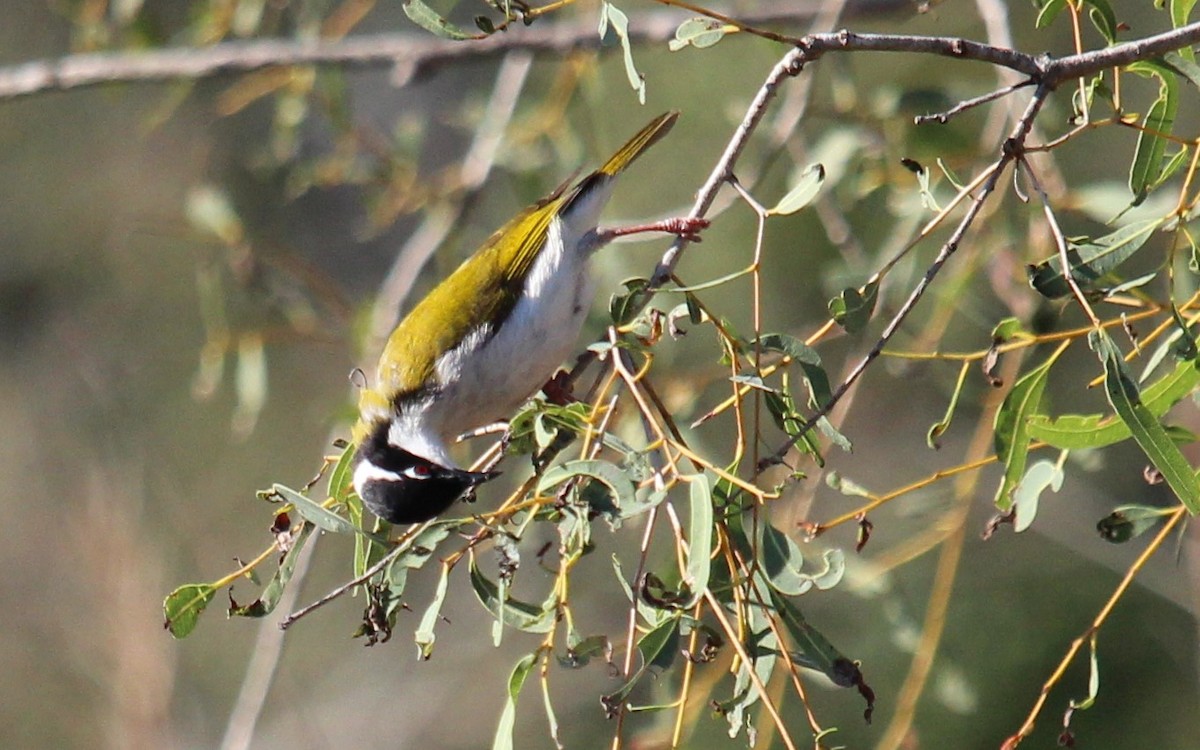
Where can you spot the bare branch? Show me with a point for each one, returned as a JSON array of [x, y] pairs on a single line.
[[406, 51]]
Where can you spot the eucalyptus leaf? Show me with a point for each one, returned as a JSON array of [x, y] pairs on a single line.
[[699, 32], [183, 606], [1147, 431], [1090, 260], [808, 185], [508, 717], [424, 635], [428, 19], [1071, 431], [314, 513], [1041, 475], [269, 598], [528, 618], [700, 534], [852, 309], [1158, 124], [1011, 428]]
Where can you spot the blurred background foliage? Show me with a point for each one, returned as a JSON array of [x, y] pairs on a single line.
[[187, 279]]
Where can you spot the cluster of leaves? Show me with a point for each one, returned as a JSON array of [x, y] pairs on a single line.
[[726, 595]]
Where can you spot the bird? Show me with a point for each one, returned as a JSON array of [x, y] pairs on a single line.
[[485, 340]]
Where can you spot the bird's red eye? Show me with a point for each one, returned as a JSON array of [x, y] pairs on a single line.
[[418, 471]]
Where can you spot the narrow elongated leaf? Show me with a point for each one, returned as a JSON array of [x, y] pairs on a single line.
[[428, 19], [1072, 431], [1011, 428], [1090, 260], [1049, 12], [424, 635], [657, 649], [700, 534], [804, 355], [523, 616], [808, 185], [311, 511], [611, 15], [1129, 521], [781, 561], [508, 717], [816, 652], [341, 476], [269, 598], [1103, 18], [1159, 122], [1147, 431], [610, 475]]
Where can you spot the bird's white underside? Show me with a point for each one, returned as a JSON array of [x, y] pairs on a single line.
[[486, 377]]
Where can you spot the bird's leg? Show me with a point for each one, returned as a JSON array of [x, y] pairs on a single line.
[[687, 227]]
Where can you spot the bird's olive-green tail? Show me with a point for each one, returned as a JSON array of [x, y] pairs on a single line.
[[645, 138]]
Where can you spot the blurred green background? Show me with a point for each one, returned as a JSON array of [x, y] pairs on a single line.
[[123, 484]]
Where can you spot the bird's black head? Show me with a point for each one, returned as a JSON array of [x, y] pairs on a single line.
[[402, 487]]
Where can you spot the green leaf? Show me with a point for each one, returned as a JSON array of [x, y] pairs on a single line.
[[1104, 19], [1129, 521], [428, 19], [1007, 329], [1011, 428], [183, 606], [614, 16], [311, 511], [423, 545], [936, 430], [1093, 680], [1090, 260], [1183, 62], [700, 534], [804, 355], [1185, 345], [782, 562], [1072, 431], [699, 32], [1160, 118], [816, 652], [658, 649], [623, 308], [528, 618], [341, 477], [610, 475], [424, 635], [808, 184], [1041, 475], [852, 309], [1147, 431], [508, 717], [1181, 11], [269, 598], [1049, 12]]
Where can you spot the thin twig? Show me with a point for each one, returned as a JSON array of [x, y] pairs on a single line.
[[406, 52], [944, 117], [1027, 728], [1010, 151], [402, 545]]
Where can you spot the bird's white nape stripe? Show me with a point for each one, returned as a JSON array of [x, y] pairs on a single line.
[[368, 472]]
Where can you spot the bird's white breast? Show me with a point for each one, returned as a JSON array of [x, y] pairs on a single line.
[[487, 376]]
